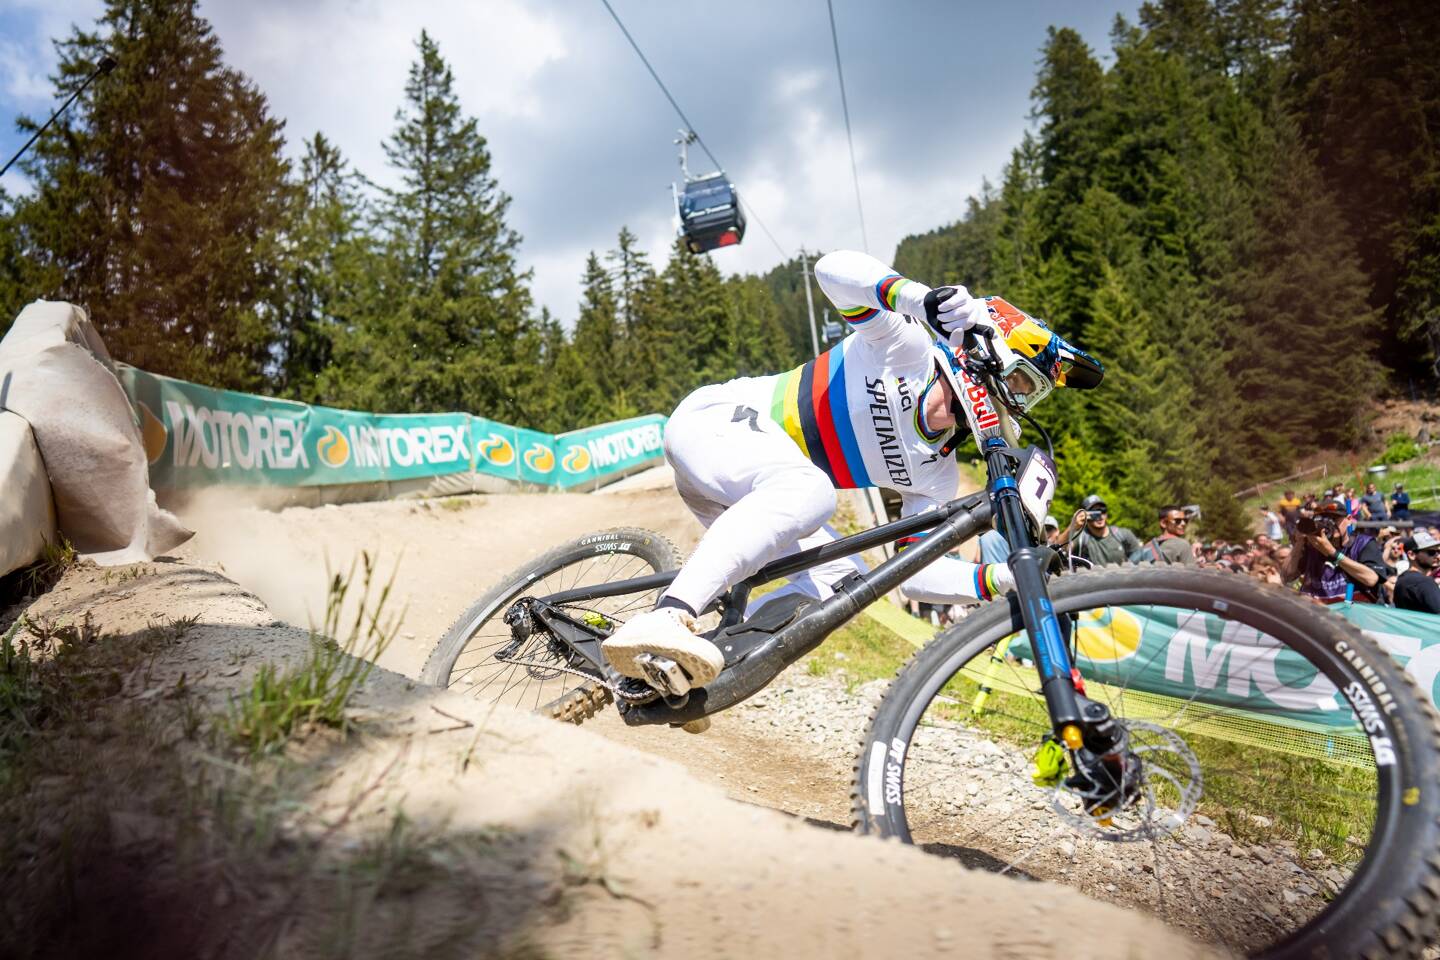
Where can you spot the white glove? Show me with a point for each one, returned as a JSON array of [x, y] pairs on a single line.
[[951, 311]]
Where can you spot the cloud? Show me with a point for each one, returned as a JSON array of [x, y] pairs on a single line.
[[580, 136]]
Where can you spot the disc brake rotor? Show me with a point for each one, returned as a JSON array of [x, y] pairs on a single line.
[[1169, 788]]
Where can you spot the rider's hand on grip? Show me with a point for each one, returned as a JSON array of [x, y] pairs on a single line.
[[951, 311]]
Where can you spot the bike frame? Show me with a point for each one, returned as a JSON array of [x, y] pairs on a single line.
[[949, 526]]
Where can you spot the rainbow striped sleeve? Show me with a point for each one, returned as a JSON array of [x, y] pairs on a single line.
[[887, 289], [886, 292], [809, 402]]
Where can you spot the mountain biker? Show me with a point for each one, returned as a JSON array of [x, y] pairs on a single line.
[[758, 459]]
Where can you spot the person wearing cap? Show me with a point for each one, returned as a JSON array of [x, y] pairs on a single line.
[[1091, 537], [1416, 589], [1052, 529], [1334, 564], [1400, 503]]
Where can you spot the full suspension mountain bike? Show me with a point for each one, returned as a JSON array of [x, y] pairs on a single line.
[[1242, 763]]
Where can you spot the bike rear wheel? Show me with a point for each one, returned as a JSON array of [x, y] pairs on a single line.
[[477, 656], [1288, 804]]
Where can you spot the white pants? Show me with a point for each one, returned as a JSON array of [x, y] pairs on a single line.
[[757, 495]]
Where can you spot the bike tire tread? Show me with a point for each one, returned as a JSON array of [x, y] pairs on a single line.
[[1407, 933]]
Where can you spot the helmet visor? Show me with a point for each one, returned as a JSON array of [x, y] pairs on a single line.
[[1024, 386]]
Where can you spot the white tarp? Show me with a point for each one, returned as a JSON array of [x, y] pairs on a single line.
[[27, 517], [56, 374]]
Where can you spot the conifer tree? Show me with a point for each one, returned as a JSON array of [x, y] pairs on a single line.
[[159, 196], [761, 346], [449, 327], [1365, 83], [325, 269], [592, 370], [13, 265], [704, 337]]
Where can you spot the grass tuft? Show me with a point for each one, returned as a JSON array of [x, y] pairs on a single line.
[[44, 573], [317, 691]]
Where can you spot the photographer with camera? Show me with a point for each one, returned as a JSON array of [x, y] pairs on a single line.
[[1334, 564], [1091, 537]]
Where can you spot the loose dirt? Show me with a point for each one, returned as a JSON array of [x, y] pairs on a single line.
[[481, 832]]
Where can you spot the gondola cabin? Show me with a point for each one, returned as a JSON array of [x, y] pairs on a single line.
[[709, 213]]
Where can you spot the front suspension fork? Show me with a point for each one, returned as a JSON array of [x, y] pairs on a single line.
[[1076, 720]]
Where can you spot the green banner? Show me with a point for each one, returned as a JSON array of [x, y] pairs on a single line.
[[198, 436], [592, 454], [1192, 655]]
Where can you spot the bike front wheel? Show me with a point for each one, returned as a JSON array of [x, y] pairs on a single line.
[[478, 657], [1285, 803]]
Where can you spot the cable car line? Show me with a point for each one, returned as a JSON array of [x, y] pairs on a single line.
[[690, 127], [845, 106]]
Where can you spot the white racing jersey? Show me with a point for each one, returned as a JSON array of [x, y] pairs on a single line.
[[856, 411]]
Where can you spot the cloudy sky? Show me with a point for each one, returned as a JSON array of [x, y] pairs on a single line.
[[581, 136]]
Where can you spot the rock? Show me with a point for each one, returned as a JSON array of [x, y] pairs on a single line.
[[1197, 834], [1263, 854]]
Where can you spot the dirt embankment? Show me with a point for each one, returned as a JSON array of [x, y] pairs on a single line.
[[439, 827]]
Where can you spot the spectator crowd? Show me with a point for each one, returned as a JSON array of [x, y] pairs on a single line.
[[1334, 546]]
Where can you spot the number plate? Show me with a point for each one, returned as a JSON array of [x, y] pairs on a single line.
[[1037, 485]]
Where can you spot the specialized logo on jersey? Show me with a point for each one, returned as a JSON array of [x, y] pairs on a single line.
[[576, 460], [497, 450], [887, 435], [332, 448], [540, 458], [1110, 634]]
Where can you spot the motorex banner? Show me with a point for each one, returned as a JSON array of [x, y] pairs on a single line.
[[198, 436], [1194, 656], [592, 455]]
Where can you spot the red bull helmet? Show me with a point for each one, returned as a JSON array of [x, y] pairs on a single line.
[[1035, 358]]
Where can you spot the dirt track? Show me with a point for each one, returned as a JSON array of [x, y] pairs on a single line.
[[549, 840], [448, 552]]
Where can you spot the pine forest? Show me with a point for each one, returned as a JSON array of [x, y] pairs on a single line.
[[1238, 211]]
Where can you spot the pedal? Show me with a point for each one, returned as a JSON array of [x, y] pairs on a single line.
[[664, 674]]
